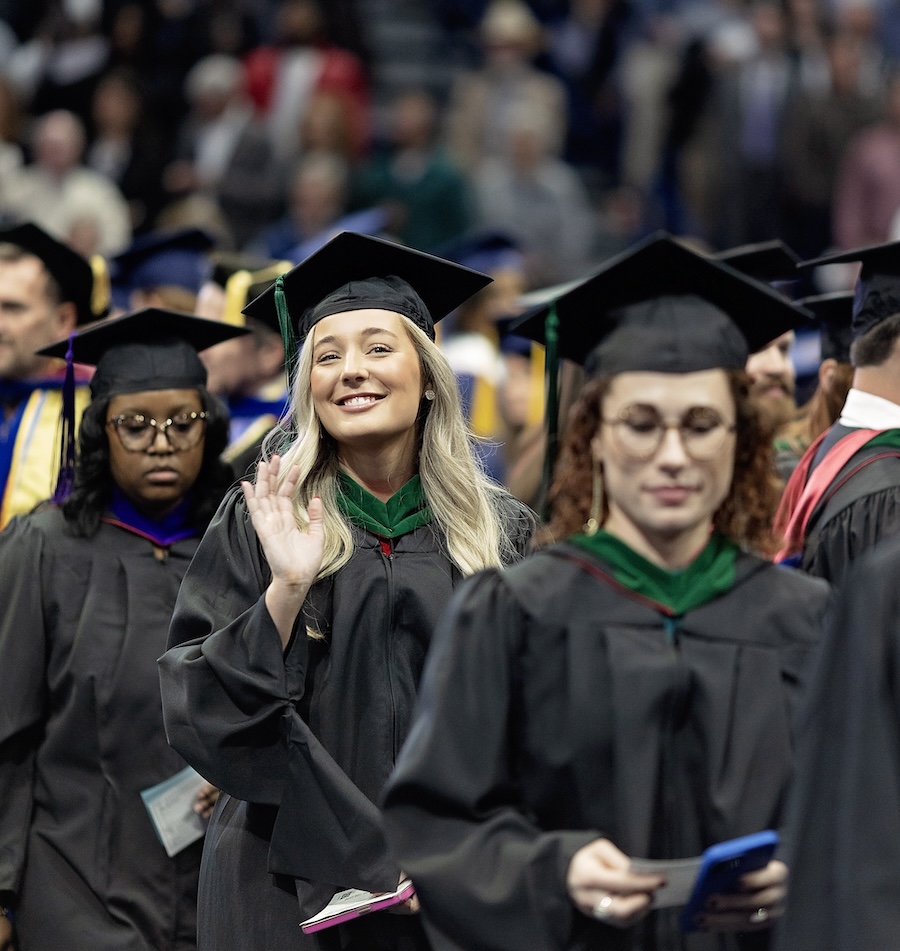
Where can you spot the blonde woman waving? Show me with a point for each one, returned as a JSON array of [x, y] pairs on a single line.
[[303, 624]]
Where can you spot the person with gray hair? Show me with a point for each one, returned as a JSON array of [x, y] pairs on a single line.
[[58, 193]]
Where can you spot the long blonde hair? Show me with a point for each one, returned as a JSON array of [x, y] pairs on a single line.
[[466, 506]]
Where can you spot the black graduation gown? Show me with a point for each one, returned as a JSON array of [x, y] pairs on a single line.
[[555, 709], [81, 734], [303, 741], [860, 510], [844, 815]]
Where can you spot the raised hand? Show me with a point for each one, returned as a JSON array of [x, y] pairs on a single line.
[[294, 556]]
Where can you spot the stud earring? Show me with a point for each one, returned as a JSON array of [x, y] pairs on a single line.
[[592, 525], [429, 395]]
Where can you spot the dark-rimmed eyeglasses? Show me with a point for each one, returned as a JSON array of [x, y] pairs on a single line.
[[138, 433], [639, 431]]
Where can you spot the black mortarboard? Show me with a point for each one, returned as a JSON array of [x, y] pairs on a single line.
[[833, 313], [163, 259], [70, 270], [877, 294], [661, 307], [768, 261], [355, 271], [150, 349]]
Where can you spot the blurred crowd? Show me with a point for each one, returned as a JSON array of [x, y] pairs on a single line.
[[573, 126]]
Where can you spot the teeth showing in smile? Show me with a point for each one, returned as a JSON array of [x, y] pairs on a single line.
[[359, 400]]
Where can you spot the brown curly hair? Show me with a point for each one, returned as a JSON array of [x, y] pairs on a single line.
[[746, 514]]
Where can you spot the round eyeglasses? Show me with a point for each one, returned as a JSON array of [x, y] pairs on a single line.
[[138, 433], [639, 431]]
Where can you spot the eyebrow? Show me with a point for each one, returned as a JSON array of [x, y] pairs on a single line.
[[368, 332], [181, 408]]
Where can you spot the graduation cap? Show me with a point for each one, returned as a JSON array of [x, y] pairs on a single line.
[[163, 259], [355, 272], [877, 294], [150, 349], [74, 274], [769, 261], [661, 307], [833, 312]]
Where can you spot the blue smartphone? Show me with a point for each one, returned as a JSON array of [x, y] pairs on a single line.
[[723, 864]]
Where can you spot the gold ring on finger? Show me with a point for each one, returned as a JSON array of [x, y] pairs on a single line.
[[759, 916]]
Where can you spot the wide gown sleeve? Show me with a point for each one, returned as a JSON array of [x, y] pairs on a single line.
[[488, 877], [230, 703], [23, 650]]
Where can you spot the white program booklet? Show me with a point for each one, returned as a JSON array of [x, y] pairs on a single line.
[[680, 875], [171, 807]]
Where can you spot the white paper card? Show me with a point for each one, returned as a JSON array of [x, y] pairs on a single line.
[[171, 807], [680, 875]]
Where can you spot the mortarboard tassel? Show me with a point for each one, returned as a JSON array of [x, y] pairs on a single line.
[[551, 340], [65, 480], [287, 332]]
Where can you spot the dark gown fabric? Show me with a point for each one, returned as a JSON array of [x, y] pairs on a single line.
[[81, 734], [556, 708], [303, 741], [844, 815], [861, 510]]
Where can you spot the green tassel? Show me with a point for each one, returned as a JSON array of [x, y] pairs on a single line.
[[551, 345], [288, 338]]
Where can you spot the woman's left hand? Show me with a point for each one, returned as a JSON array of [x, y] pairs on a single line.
[[758, 902], [207, 796]]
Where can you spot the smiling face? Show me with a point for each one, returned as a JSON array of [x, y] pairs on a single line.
[[667, 494], [366, 380], [156, 479]]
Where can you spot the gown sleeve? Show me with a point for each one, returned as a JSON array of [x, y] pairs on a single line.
[[489, 878], [22, 690], [858, 527], [230, 704], [844, 810]]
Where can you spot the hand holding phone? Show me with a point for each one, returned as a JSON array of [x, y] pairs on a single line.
[[723, 866]]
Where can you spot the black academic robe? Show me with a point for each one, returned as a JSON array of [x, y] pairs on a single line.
[[861, 509], [302, 741], [81, 734], [556, 709], [844, 815]]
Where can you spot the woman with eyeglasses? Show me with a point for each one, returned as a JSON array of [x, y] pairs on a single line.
[[88, 586], [625, 692]]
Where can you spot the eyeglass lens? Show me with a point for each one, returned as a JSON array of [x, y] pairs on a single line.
[[138, 433], [640, 431]]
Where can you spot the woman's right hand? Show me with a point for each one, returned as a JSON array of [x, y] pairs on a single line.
[[294, 556], [601, 885]]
